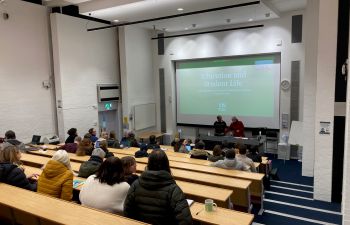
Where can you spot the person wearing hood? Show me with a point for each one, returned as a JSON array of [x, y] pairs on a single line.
[[107, 189], [57, 177], [198, 152], [230, 162], [93, 164], [10, 172], [155, 197], [10, 138]]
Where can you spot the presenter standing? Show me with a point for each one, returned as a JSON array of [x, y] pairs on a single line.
[[220, 126], [236, 127]]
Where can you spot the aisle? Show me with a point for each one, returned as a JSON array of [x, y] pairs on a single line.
[[290, 201]]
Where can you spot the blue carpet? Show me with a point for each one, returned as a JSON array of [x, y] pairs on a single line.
[[292, 186], [290, 171], [310, 203], [290, 192]]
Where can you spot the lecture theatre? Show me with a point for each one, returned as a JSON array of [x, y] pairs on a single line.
[[174, 112]]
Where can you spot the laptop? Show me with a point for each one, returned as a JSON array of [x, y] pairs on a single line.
[[35, 140]]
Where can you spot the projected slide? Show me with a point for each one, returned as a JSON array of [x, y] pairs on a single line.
[[247, 87]]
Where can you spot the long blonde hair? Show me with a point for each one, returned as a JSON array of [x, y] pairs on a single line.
[[9, 154]]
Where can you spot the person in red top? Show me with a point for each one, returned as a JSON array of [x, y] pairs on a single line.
[[236, 127]]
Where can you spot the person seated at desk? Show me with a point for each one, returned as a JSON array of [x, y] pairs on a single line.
[[236, 127], [142, 152], [107, 189], [56, 179], [185, 146], [155, 198], [85, 147], [10, 138], [153, 144], [229, 162], [93, 164], [71, 147], [198, 152], [92, 132], [104, 146], [217, 154], [226, 146], [72, 133], [129, 166], [176, 144], [11, 171], [242, 157], [220, 126], [113, 142], [254, 155]]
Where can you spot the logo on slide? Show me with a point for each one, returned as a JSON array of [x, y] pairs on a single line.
[[222, 107]]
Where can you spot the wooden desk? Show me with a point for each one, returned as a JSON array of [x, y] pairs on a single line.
[[146, 134], [49, 210], [220, 216], [39, 161], [256, 187], [193, 191], [241, 188]]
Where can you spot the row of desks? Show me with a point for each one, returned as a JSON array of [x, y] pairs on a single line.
[[194, 191], [194, 165], [240, 188], [48, 210], [221, 216]]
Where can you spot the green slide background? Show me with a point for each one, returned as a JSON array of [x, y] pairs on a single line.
[[254, 97]]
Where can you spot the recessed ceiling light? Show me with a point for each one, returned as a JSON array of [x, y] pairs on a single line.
[[186, 28], [116, 21], [180, 9], [250, 19]]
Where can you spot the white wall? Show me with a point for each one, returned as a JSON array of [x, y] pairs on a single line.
[[241, 42], [311, 34], [346, 169], [25, 106], [136, 63], [82, 60]]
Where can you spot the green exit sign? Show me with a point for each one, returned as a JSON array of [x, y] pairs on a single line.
[[108, 106]]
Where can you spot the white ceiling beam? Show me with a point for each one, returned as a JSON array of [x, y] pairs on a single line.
[[271, 7], [95, 5]]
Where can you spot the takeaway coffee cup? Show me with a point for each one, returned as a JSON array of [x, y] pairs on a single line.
[[210, 205]]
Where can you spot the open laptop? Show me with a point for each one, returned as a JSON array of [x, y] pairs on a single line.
[[35, 139]]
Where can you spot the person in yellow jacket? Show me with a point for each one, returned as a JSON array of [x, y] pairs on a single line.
[[57, 177]]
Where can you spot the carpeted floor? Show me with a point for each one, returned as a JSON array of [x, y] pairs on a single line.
[[290, 200]]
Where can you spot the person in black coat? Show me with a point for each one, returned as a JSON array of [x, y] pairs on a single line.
[[155, 198], [72, 132], [10, 173], [152, 143]]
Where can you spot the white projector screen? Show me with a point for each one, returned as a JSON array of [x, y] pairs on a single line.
[[244, 86]]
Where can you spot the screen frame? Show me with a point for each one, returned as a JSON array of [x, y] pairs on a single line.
[[278, 56]]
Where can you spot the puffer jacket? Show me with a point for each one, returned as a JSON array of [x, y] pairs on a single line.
[[90, 167], [199, 154], [155, 198], [56, 180], [13, 175]]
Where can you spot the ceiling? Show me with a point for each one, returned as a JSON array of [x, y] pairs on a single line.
[[135, 10]]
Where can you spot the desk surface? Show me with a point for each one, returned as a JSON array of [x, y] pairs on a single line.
[[57, 210], [243, 140], [146, 134], [220, 216]]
